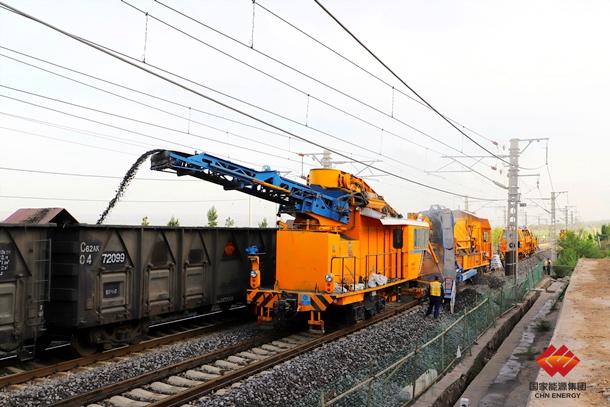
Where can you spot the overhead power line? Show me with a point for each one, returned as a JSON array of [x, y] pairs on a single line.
[[300, 72], [404, 83], [220, 103], [152, 124], [189, 107], [103, 124], [75, 174], [62, 140], [52, 198], [140, 92], [360, 67], [188, 119]]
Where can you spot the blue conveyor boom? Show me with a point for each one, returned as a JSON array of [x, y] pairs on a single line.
[[267, 184]]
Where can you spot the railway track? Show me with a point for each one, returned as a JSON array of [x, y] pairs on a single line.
[[183, 382], [16, 375]]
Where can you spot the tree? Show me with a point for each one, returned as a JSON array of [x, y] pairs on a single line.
[[173, 222], [212, 217], [145, 221], [229, 222], [263, 223], [496, 236]]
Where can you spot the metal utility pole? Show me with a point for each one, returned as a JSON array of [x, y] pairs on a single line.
[[512, 224], [567, 219], [512, 208], [554, 196], [466, 203]]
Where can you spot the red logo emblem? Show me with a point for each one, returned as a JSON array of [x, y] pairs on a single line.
[[560, 360]]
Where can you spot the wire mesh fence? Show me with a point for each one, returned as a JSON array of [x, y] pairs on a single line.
[[402, 376]]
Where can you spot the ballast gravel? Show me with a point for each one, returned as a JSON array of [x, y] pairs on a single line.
[[59, 388], [298, 381]]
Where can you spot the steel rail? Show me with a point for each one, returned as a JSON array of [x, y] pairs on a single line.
[[231, 376], [27, 375]]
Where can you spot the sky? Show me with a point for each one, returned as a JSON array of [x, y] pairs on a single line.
[[521, 69]]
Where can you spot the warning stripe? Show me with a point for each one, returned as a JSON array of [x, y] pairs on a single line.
[[268, 298], [320, 302]]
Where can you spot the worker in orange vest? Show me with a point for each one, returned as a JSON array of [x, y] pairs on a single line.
[[436, 297]]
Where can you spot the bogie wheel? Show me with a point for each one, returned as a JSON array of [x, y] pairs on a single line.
[[83, 344], [225, 306]]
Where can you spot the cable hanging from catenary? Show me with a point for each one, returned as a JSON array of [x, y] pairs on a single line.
[[288, 66], [220, 103], [189, 107], [144, 104], [360, 67], [154, 125], [404, 83]]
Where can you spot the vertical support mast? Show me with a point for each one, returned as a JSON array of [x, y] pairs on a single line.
[[513, 205], [553, 225]]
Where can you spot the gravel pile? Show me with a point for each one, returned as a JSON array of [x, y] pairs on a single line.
[[62, 387], [298, 381]]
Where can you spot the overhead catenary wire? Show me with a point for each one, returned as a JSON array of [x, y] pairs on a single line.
[[62, 140], [114, 127], [153, 124], [139, 66], [140, 92], [300, 72], [53, 198], [91, 133], [76, 174], [404, 83], [126, 98], [360, 67], [189, 119], [176, 103]]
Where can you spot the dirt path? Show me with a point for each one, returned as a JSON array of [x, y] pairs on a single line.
[[584, 327]]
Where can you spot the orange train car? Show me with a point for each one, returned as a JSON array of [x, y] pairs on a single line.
[[527, 243], [345, 247], [323, 265], [460, 246]]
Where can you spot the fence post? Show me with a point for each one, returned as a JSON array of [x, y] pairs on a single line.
[[465, 332], [501, 300], [514, 293], [322, 401], [489, 313], [442, 352]]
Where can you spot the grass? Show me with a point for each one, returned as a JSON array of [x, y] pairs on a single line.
[[543, 326], [530, 353]]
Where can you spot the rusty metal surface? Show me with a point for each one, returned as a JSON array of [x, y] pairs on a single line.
[[40, 216]]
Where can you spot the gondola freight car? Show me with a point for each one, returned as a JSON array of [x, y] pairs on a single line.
[[103, 285]]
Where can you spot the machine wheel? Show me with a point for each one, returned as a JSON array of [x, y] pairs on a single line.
[[83, 344], [225, 306], [205, 309]]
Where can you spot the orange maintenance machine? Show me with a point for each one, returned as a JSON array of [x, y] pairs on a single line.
[[528, 243], [358, 266], [345, 250], [460, 246]]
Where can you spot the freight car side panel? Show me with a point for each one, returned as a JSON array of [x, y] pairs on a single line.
[[93, 276], [231, 264], [24, 279], [106, 275]]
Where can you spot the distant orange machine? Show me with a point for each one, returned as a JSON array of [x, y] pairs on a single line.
[[527, 243]]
